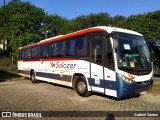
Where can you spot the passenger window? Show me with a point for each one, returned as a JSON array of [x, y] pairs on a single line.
[[77, 46], [27, 54], [71, 47], [45, 51], [57, 49], [20, 55], [35, 52], [81, 46]]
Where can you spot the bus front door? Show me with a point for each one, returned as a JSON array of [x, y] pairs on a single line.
[[96, 65]]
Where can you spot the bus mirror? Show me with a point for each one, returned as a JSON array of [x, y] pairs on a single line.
[[114, 36], [115, 39], [115, 43]]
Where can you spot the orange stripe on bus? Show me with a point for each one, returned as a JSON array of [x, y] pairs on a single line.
[[72, 35]]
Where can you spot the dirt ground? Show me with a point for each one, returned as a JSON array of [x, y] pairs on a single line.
[[19, 94]]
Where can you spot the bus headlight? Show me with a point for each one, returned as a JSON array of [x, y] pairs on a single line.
[[124, 78]]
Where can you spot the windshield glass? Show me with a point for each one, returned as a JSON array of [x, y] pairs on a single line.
[[133, 54]]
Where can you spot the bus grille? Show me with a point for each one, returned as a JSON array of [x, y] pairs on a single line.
[[138, 90], [144, 82]]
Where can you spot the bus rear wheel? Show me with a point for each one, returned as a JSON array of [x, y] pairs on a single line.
[[33, 77], [81, 87]]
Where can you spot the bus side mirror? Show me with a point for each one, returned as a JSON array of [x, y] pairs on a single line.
[[115, 43], [115, 39]]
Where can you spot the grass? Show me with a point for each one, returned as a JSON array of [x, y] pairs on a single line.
[[7, 70]]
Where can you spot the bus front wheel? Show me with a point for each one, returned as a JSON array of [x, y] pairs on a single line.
[[81, 87], [33, 77]]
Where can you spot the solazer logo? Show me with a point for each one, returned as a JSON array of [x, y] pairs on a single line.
[[52, 65], [62, 65]]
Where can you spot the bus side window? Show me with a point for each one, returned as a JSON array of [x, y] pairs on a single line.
[[70, 47], [57, 49], [77, 46], [110, 60], [35, 52], [20, 55], [81, 46], [27, 54], [45, 51]]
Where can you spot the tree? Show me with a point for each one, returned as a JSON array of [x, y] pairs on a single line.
[[55, 25], [91, 20], [116, 20], [21, 23], [147, 24], [79, 23], [100, 19]]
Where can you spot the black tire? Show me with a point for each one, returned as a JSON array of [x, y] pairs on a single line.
[[33, 77], [81, 87]]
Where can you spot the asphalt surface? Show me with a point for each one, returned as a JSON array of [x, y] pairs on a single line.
[[21, 96]]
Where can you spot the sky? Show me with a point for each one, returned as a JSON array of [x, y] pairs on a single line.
[[73, 8]]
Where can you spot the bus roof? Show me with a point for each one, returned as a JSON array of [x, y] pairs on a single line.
[[92, 29], [115, 29], [31, 45]]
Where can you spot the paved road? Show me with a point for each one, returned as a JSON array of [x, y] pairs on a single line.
[[20, 94]]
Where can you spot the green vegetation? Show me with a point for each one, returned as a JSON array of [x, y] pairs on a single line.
[[147, 24], [7, 69], [20, 23], [7, 66], [23, 23]]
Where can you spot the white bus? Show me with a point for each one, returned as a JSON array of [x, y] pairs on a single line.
[[112, 61]]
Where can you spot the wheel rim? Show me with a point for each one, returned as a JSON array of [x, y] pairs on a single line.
[[81, 87]]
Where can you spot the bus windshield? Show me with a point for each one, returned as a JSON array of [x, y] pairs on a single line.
[[133, 54]]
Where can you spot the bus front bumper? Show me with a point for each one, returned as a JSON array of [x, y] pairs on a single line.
[[132, 89]]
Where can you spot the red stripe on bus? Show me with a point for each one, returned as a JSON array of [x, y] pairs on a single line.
[[59, 59], [50, 59], [31, 45]]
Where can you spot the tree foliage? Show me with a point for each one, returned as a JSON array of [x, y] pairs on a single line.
[[91, 20], [118, 20], [147, 24], [22, 23], [55, 25]]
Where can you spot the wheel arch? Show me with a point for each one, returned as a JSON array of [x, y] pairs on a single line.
[[32, 70], [75, 77]]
